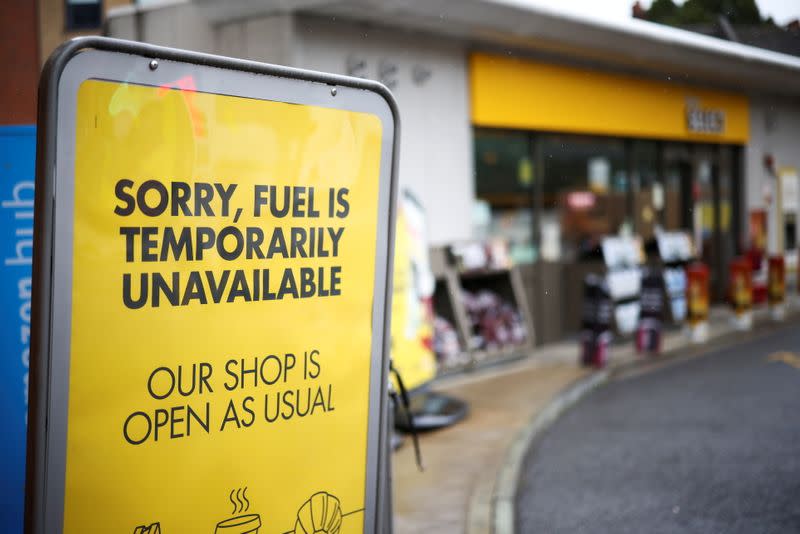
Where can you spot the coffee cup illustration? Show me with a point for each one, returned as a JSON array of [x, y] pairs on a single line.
[[242, 524]]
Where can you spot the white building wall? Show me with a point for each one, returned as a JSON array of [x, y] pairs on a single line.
[[775, 131], [428, 77], [175, 24], [269, 39]]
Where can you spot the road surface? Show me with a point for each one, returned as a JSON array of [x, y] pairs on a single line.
[[707, 445]]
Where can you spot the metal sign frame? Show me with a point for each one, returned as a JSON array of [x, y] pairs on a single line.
[[124, 61]]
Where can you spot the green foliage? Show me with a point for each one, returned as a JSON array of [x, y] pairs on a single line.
[[744, 12], [663, 11], [660, 9], [704, 12], [698, 12]]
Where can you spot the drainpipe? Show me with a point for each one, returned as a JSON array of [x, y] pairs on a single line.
[[727, 28]]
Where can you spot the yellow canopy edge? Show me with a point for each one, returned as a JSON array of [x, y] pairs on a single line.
[[511, 92]]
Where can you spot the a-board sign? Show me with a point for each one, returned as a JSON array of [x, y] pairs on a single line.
[[413, 286], [210, 295]]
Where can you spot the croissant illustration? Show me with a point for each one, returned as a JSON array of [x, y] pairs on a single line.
[[321, 514]]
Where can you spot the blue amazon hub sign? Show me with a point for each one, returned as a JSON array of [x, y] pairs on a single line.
[[17, 167]]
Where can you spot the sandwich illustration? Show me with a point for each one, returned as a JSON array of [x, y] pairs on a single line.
[[154, 528]]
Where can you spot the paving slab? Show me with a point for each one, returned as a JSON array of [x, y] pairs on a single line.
[[501, 402]]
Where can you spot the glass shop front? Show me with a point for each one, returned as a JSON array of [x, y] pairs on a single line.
[[566, 156]]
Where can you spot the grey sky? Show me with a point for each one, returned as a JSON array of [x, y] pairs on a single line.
[[781, 10]]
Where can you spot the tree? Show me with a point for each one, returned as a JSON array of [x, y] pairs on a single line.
[[663, 11], [744, 12], [704, 12]]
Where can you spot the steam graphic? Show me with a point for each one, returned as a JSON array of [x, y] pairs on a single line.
[[241, 504], [241, 523]]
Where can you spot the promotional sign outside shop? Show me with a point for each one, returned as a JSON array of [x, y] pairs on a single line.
[[651, 315], [211, 330], [596, 321], [741, 292], [413, 286], [698, 301], [776, 286], [675, 250], [622, 257], [759, 230]]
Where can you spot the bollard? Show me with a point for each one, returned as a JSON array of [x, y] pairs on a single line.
[[741, 293], [758, 277], [698, 301], [776, 287], [596, 322], [651, 314]]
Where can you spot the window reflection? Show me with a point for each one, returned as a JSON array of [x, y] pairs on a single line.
[[554, 196], [505, 171], [584, 194], [648, 189]]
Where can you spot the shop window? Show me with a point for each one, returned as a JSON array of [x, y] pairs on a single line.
[[584, 194], [648, 189], [704, 207], [555, 196], [677, 213], [83, 14], [727, 206], [504, 185]]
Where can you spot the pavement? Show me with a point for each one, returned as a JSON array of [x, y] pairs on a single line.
[[471, 469]]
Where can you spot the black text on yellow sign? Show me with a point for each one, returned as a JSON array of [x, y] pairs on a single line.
[[231, 243], [252, 374]]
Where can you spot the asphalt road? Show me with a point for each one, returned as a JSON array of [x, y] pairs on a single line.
[[707, 445]]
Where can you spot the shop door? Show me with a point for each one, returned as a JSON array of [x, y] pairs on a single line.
[[678, 177], [714, 214], [704, 213], [700, 200], [727, 214]]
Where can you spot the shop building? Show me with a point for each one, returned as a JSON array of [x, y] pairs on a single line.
[[546, 129], [59, 20]]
